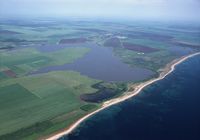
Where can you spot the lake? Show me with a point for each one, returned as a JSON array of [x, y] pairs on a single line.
[[100, 63]]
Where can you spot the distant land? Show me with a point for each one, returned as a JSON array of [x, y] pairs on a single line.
[[56, 74]]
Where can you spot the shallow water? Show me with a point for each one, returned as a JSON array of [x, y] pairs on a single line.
[[167, 110], [100, 63]]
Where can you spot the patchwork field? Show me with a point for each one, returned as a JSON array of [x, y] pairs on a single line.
[[21, 61], [139, 48], [32, 99]]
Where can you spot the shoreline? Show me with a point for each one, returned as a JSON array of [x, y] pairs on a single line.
[[138, 87]]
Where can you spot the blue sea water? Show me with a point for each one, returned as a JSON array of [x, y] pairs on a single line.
[[167, 110]]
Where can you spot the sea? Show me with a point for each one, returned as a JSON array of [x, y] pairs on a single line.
[[166, 110]]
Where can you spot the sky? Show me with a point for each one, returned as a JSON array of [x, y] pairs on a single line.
[[129, 9]]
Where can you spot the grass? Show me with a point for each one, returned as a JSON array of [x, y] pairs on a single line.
[[26, 101], [2, 76], [149, 43], [150, 61], [88, 107]]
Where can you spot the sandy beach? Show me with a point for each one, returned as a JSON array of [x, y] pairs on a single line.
[[137, 88]]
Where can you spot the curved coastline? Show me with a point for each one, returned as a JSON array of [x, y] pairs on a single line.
[[137, 88]]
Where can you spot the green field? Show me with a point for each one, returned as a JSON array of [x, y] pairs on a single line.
[[26, 60], [150, 61], [32, 99], [38, 105]]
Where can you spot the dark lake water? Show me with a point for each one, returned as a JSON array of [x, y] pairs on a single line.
[[167, 110], [100, 63]]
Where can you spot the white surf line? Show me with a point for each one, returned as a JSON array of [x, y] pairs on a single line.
[[169, 68]]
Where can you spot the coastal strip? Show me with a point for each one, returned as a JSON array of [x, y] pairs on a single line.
[[137, 89]]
